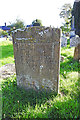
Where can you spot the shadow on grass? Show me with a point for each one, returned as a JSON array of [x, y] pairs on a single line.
[[15, 99], [70, 65], [73, 90], [7, 51]]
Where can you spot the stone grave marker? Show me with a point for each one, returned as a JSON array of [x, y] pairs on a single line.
[[74, 41], [77, 52], [37, 58], [63, 41]]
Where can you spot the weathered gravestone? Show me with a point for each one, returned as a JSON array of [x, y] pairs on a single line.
[[74, 41], [37, 57], [63, 41], [77, 52]]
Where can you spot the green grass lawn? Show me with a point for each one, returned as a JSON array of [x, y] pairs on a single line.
[[6, 54], [17, 103]]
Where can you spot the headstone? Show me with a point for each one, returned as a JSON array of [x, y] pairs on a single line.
[[63, 41], [74, 41], [77, 52], [37, 58]]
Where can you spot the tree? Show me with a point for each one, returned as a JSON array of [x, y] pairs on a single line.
[[37, 22], [66, 11], [17, 24], [2, 32], [66, 15]]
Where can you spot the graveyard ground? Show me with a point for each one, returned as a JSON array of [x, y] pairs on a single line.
[[17, 103]]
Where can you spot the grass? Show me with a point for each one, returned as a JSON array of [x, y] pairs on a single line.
[[6, 55], [19, 104]]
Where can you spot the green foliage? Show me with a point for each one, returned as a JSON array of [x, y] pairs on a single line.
[[65, 28], [66, 11], [37, 21], [21, 104], [66, 15], [2, 32], [6, 54], [18, 24]]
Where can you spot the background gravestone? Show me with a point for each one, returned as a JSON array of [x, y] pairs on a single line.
[[74, 41], [77, 52], [37, 58], [63, 41]]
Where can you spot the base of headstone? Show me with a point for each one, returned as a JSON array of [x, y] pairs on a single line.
[[77, 52]]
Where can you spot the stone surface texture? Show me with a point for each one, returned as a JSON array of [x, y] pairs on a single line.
[[77, 52], [74, 41], [37, 57], [7, 70], [63, 41]]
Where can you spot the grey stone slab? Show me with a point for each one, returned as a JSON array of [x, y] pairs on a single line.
[[37, 58], [74, 41], [63, 41]]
